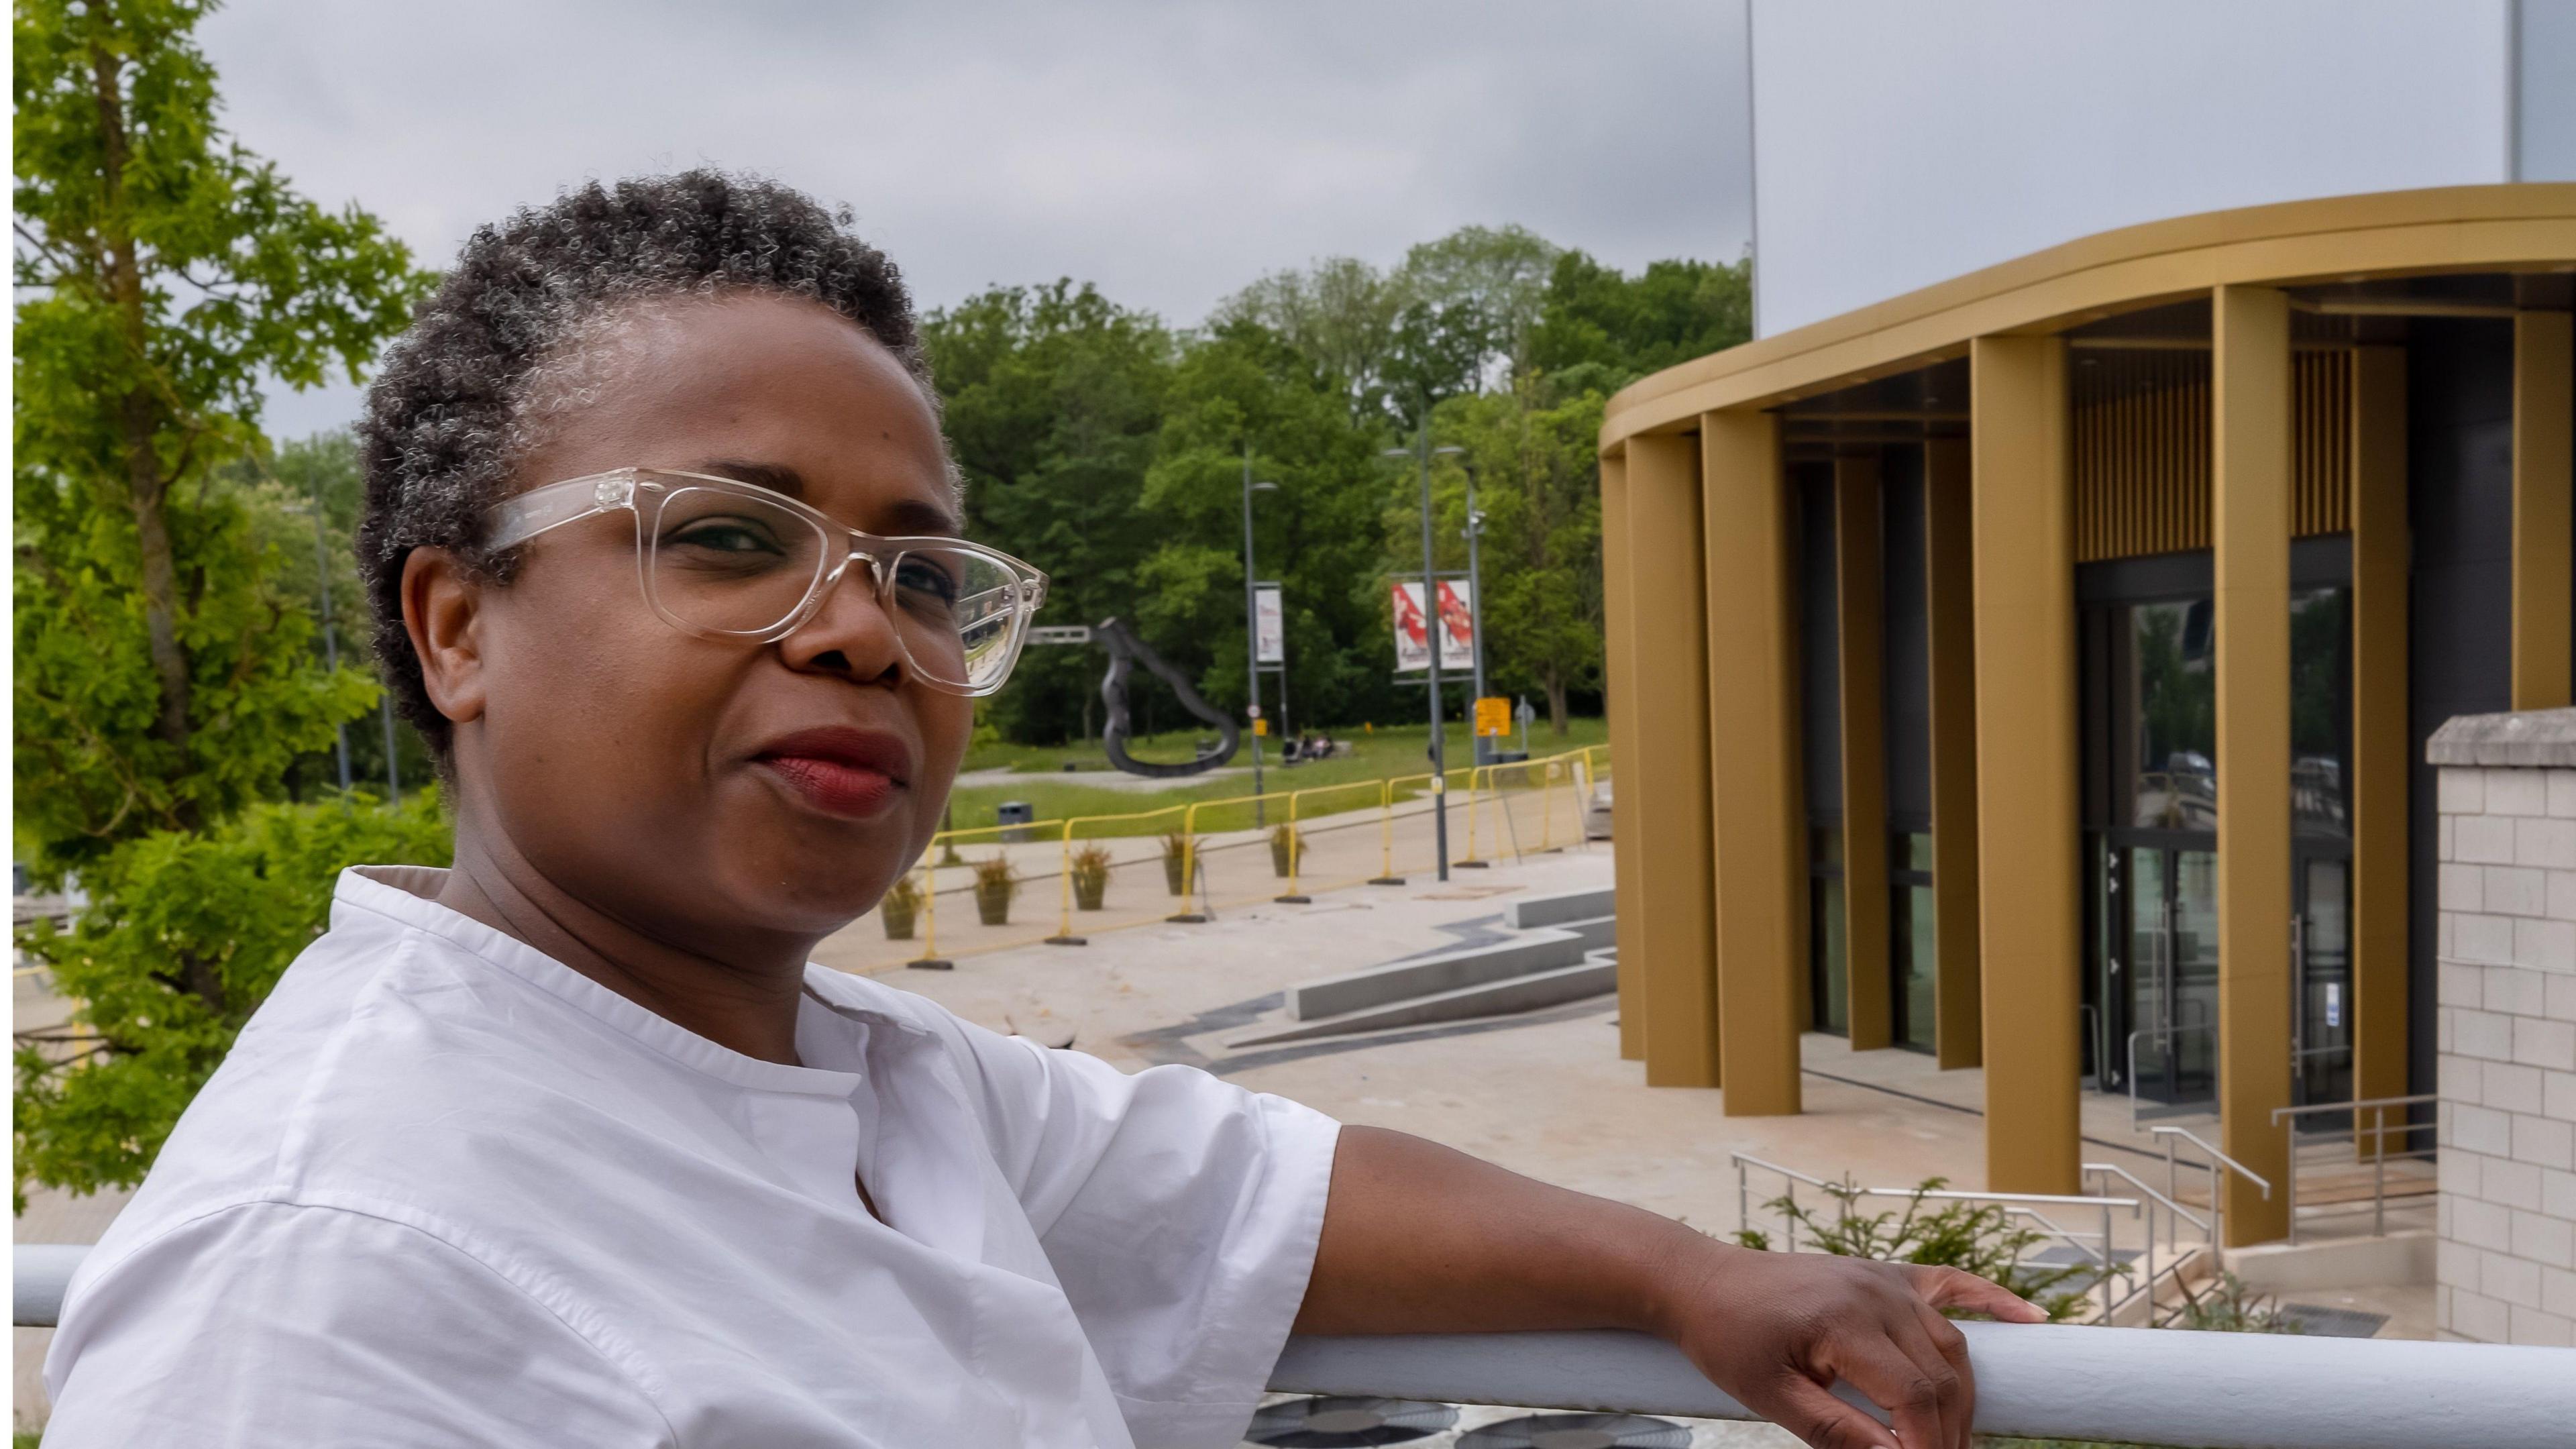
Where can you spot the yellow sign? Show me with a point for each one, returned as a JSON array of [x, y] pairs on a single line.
[[1493, 717], [1261, 727]]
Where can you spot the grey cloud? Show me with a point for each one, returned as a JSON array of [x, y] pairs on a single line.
[[1169, 152]]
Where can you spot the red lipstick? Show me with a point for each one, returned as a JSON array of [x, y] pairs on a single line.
[[840, 771]]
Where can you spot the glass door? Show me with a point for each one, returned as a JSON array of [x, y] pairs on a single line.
[[2169, 955], [2321, 1026]]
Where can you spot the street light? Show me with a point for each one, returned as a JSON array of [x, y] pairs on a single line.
[[1252, 630], [1423, 452]]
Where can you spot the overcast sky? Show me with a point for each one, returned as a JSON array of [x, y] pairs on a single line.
[[1169, 152]]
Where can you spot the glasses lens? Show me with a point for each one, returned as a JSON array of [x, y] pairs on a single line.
[[959, 613], [731, 563]]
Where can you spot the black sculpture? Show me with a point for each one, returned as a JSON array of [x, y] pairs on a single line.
[[1126, 651]]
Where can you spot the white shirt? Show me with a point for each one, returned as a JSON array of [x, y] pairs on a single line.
[[448, 1191]]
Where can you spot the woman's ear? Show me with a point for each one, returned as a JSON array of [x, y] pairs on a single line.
[[442, 609]]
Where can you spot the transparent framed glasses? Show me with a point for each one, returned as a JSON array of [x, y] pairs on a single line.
[[724, 559]]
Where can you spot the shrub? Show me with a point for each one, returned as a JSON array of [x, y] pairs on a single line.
[[995, 887], [1090, 876], [184, 936], [900, 908], [1977, 1237]]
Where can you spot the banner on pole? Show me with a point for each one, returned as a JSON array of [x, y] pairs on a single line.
[[1413, 628], [1269, 626]]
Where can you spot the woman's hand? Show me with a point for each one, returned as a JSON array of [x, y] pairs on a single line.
[[1777, 1329], [1420, 1239]]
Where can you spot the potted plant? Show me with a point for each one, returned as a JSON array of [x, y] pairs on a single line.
[[1090, 876], [1286, 850], [902, 904], [994, 887], [1176, 863]]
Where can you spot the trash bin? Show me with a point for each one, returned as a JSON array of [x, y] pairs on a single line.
[[1015, 812]]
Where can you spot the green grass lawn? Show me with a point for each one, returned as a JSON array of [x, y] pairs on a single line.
[[1387, 753]]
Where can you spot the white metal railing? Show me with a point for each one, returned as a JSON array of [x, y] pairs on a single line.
[[2217, 1163], [2133, 1386], [2160, 1386], [2348, 1146]]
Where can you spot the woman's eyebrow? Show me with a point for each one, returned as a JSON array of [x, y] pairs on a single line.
[[902, 517]]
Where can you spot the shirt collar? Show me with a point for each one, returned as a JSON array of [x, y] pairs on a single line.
[[405, 895]]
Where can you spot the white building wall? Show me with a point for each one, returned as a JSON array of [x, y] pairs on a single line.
[[1897, 144], [2506, 1031]]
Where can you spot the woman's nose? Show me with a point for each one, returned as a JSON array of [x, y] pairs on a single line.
[[850, 630]]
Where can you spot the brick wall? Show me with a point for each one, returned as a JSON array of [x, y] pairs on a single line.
[[2507, 1028]]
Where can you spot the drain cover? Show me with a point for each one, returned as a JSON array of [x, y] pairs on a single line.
[[1346, 1423], [1580, 1431]]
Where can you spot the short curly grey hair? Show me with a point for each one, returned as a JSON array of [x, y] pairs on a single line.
[[500, 346]]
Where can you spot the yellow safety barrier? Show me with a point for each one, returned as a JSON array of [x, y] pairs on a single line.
[[1488, 805]]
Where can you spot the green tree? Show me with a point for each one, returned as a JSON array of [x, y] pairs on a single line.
[[97, 1097], [1339, 314], [166, 678], [282, 493], [163, 274], [1534, 450], [1053, 398], [1316, 534], [1500, 273], [1630, 326]]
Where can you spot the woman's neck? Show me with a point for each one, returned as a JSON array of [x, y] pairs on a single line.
[[747, 1006]]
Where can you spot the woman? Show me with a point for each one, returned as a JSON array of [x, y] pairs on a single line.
[[570, 1144]]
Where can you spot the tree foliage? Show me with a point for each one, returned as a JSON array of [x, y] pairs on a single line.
[[184, 936], [167, 679], [163, 274]]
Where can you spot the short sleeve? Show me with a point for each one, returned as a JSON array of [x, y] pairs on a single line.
[[269, 1323], [1179, 1211]]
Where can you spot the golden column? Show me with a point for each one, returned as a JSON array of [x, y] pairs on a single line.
[[2544, 456], [2250, 556], [2379, 726], [1761, 868], [1668, 766], [1950, 583], [1859, 587], [2026, 758], [1619, 666]]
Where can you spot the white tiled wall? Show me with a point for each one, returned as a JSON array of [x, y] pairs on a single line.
[[2507, 1037]]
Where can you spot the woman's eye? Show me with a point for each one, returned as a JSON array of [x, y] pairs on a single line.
[[721, 537], [925, 581]]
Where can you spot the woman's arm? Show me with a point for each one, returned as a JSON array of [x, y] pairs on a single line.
[[1421, 1239]]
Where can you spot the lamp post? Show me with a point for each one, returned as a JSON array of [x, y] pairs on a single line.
[[1252, 630], [1423, 452]]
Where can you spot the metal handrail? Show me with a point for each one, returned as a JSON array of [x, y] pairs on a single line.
[[2232, 1165], [2284, 1391], [2129, 1385], [2379, 1130]]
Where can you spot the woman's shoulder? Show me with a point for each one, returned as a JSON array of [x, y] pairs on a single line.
[[396, 1064]]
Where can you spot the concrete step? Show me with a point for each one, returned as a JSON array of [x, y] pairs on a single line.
[[1546, 949], [1595, 975], [1531, 912]]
